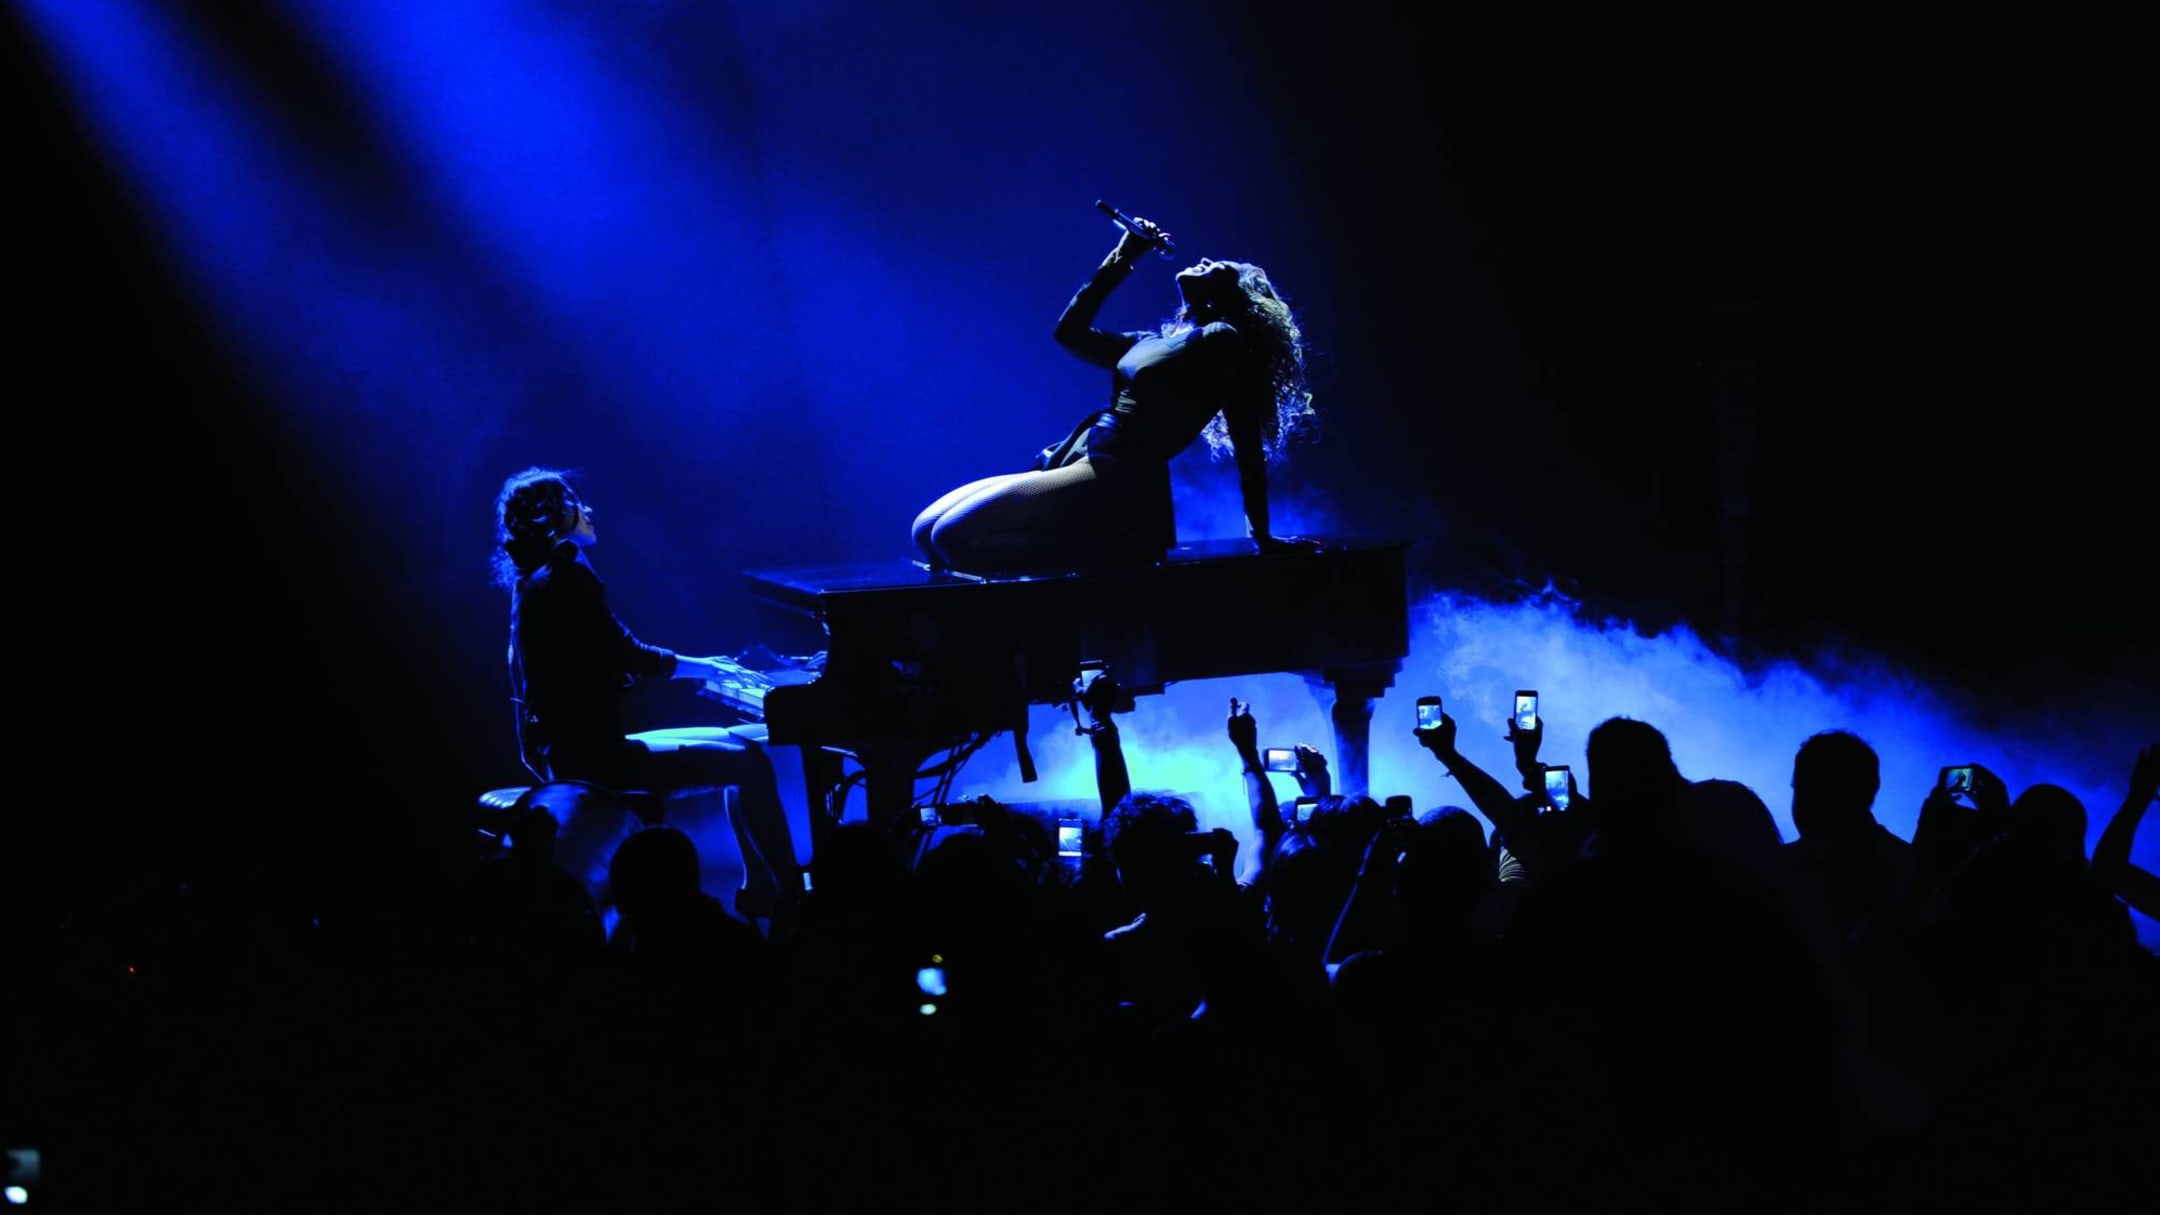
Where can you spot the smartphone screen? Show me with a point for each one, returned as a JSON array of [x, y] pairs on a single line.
[[1302, 811], [1526, 710], [929, 816], [1069, 837], [1428, 712], [1280, 759], [1957, 779], [1556, 786]]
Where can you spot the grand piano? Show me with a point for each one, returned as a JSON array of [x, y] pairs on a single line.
[[919, 664]]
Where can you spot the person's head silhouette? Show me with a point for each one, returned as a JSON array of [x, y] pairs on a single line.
[[1148, 838], [653, 872], [2050, 821], [1835, 777], [1632, 779]]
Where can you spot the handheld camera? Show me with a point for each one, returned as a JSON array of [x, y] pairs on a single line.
[[1428, 712], [954, 814], [1203, 844], [1092, 672], [1071, 833], [1556, 785], [1279, 759], [1526, 718]]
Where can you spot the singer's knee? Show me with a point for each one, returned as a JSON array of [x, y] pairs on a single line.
[[959, 540]]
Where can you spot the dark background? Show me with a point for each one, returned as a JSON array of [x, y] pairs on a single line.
[[1798, 324]]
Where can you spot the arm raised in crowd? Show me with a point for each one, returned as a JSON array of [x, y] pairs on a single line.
[[1313, 777], [1259, 790], [1098, 698], [1525, 744], [1365, 909], [1948, 830], [2111, 863], [1508, 817]]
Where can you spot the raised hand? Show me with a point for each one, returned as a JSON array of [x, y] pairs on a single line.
[[1526, 743], [1132, 246], [1150, 236], [1244, 732], [2111, 864], [1440, 740], [1223, 850], [1990, 797], [1101, 695], [1312, 771], [1941, 801], [2145, 775]]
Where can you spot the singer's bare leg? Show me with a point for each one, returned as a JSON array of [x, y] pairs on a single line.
[[927, 521], [1028, 520]]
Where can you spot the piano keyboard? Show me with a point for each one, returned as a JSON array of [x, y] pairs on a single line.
[[743, 688]]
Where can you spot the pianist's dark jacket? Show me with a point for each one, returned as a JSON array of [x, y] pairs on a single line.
[[570, 660]]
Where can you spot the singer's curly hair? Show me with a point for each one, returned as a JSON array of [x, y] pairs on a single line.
[[1260, 315]]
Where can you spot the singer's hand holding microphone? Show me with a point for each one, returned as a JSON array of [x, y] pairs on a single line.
[[1138, 236]]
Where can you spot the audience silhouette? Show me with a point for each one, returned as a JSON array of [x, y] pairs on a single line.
[[1643, 997]]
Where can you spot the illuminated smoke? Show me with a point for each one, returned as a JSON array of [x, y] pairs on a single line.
[[1723, 721]]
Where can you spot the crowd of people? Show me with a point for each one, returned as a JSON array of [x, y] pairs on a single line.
[[1647, 997]]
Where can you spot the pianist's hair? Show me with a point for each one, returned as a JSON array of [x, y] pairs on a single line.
[[535, 509], [1262, 317]]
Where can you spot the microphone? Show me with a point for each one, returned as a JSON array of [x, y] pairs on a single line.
[[1127, 222]]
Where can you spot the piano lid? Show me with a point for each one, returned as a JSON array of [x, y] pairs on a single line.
[[1209, 609], [802, 587]]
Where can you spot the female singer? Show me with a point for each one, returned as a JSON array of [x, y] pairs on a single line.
[[1228, 366]]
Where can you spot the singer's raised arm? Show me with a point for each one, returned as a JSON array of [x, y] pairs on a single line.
[[1075, 327]]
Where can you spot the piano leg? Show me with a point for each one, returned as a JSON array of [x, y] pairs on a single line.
[[822, 771], [889, 768], [1349, 696]]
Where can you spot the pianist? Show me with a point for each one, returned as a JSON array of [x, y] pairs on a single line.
[[1228, 366], [571, 660]]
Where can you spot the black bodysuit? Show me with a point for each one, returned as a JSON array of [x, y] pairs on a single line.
[[1163, 392]]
